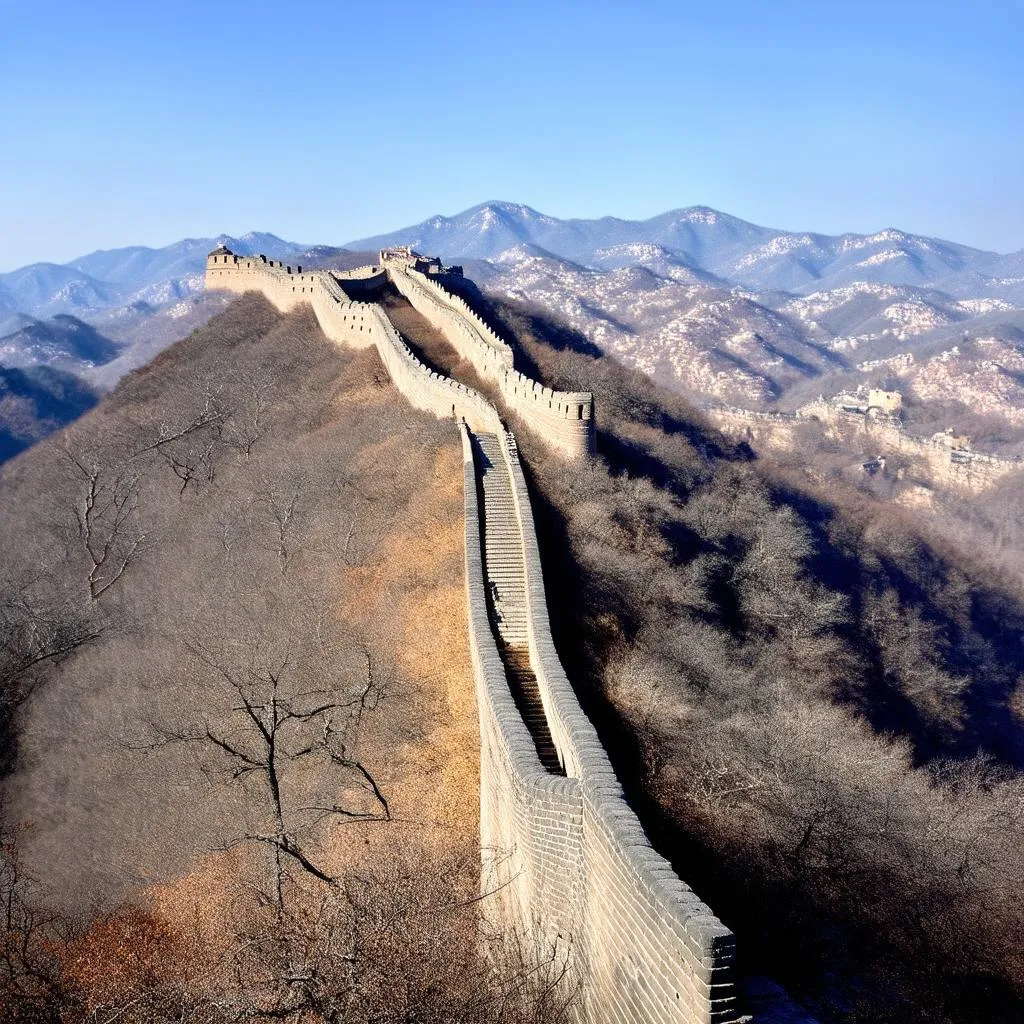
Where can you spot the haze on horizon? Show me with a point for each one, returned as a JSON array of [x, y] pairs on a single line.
[[324, 122]]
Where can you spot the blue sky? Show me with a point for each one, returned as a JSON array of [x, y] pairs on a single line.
[[142, 123]]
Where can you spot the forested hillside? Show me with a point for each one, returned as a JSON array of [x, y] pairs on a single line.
[[236, 685], [818, 709], [241, 778]]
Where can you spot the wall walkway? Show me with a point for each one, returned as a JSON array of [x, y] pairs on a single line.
[[565, 858], [565, 419]]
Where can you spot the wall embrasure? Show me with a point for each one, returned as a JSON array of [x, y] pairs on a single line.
[[564, 419]]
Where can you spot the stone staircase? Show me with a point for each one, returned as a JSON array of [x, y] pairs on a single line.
[[506, 591]]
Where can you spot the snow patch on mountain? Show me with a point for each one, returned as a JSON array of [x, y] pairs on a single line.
[[779, 246], [885, 256], [915, 318], [978, 307]]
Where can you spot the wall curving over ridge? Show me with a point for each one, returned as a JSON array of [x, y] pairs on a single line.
[[358, 324], [565, 860], [565, 419]]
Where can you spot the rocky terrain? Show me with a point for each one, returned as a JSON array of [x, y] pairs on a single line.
[[727, 311], [723, 311]]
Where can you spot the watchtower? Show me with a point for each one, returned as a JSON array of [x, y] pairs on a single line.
[[220, 265]]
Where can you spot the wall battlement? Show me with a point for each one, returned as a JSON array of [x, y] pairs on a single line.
[[564, 418], [352, 323], [565, 860]]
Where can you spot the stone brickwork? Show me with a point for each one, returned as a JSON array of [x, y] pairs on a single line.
[[648, 948], [564, 419], [352, 323], [565, 861]]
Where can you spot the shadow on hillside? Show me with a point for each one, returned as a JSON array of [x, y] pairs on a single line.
[[932, 643], [644, 431]]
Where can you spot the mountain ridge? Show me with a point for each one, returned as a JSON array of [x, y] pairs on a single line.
[[698, 213], [721, 245], [706, 244], [717, 306]]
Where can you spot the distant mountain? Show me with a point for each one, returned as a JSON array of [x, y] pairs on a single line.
[[661, 260], [486, 230], [720, 308], [719, 342], [44, 289], [705, 241], [120, 277], [138, 266], [64, 342], [36, 401], [705, 340]]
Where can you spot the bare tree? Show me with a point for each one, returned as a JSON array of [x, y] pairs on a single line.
[[192, 461], [107, 518], [191, 444], [281, 504], [37, 631], [378, 947], [249, 419], [30, 934], [210, 414], [289, 726]]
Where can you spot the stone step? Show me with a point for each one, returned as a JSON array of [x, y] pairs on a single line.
[[505, 573]]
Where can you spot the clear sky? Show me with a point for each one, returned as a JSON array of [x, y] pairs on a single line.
[[144, 122]]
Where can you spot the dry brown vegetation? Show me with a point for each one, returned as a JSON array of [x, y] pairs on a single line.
[[237, 689], [816, 708]]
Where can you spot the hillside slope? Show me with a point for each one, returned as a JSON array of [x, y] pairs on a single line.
[[303, 489], [255, 516], [817, 707]]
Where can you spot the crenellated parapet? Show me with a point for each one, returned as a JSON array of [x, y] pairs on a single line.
[[354, 324], [563, 418]]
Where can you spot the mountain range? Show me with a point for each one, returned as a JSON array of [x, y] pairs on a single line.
[[727, 311], [702, 241], [118, 277], [714, 306]]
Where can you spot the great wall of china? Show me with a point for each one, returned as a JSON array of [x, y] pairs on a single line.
[[565, 859], [941, 459]]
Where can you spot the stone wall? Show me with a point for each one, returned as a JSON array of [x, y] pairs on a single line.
[[942, 463], [936, 460], [362, 282], [565, 860], [563, 418], [650, 949], [357, 324], [529, 819], [763, 429]]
